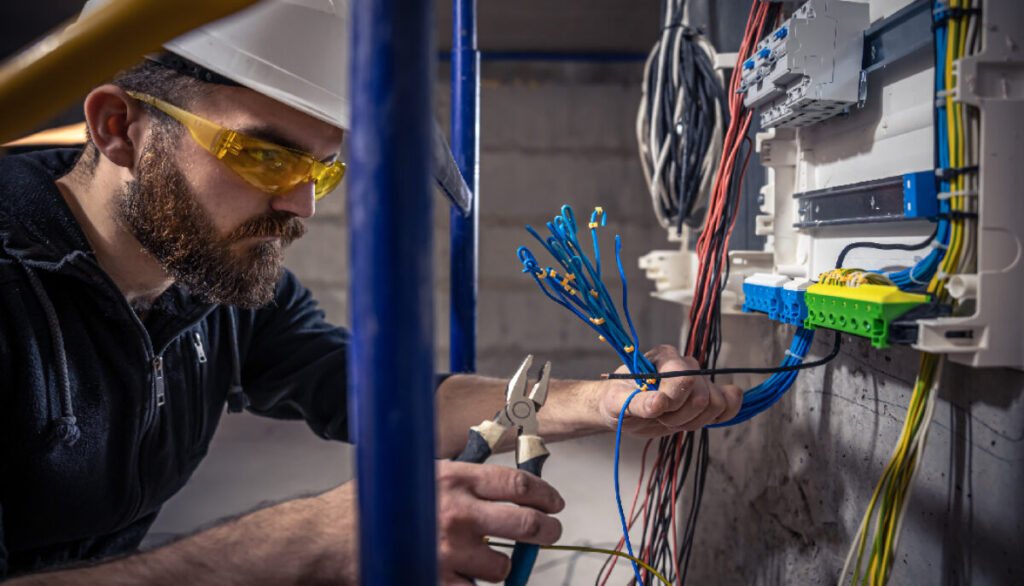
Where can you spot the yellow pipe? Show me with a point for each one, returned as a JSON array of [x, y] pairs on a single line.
[[45, 77]]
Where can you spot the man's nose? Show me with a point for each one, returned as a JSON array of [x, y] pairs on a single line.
[[299, 201]]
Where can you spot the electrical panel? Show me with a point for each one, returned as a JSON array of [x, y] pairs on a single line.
[[874, 176], [807, 69]]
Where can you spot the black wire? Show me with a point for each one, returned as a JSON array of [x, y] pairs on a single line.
[[877, 246], [743, 370]]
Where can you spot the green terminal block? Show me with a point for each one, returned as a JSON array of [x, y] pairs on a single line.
[[865, 311]]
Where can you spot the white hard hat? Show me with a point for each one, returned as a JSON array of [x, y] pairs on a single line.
[[294, 51]]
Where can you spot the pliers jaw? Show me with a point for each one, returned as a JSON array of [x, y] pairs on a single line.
[[521, 409]]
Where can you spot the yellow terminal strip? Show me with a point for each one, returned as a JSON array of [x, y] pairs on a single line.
[[863, 310]]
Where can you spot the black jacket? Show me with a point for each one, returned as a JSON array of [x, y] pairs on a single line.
[[102, 417]]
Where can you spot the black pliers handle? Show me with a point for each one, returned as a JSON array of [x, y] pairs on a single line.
[[520, 411]]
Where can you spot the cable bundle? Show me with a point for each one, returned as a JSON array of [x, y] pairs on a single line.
[[703, 340], [579, 289], [956, 127], [767, 393], [680, 120]]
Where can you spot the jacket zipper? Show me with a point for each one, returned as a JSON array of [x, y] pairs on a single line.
[[158, 382], [200, 352], [197, 395]]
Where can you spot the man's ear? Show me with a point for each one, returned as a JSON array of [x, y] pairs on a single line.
[[116, 124]]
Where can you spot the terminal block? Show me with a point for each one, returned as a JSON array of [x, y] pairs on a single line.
[[762, 293], [867, 310], [808, 69], [794, 306]]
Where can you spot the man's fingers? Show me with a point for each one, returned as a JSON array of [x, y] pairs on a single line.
[[733, 401], [473, 560], [500, 483], [515, 523], [716, 406], [643, 405]]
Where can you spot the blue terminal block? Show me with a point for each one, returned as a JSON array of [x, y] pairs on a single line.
[[764, 53], [782, 33], [920, 199], [793, 305], [762, 293], [748, 64]]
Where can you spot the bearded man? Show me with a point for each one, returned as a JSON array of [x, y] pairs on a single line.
[[143, 291]]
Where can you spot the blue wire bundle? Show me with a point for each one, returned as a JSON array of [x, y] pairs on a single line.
[[579, 289], [765, 395], [920, 274]]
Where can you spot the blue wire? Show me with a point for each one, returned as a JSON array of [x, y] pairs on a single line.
[[618, 498]]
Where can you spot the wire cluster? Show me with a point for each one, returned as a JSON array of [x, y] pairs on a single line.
[[680, 122]]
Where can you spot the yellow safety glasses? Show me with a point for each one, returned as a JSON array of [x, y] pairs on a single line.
[[274, 169]]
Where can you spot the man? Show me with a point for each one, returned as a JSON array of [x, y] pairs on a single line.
[[142, 290]]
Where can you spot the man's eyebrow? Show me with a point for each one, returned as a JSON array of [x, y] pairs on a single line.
[[270, 135]]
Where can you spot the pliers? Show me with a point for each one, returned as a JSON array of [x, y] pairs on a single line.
[[520, 411]]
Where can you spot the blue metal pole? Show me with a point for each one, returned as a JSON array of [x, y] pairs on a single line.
[[466, 150], [391, 356]]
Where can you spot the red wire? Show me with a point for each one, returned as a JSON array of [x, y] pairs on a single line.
[[706, 292]]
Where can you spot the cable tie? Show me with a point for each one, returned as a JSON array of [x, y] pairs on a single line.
[[629, 349], [910, 275], [958, 193], [794, 355], [937, 244], [951, 172], [958, 215], [942, 275], [945, 93], [597, 321]]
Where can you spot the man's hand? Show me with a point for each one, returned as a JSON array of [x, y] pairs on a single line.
[[679, 404], [477, 500]]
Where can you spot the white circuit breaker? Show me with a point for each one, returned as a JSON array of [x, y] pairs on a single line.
[[808, 69]]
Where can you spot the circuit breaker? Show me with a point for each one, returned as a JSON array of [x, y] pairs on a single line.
[[808, 69]]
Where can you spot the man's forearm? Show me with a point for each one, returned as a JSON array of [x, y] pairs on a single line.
[[303, 541], [465, 400]]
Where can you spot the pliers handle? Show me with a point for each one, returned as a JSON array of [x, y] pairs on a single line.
[[520, 411]]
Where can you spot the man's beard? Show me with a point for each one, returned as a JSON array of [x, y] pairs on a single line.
[[164, 215]]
